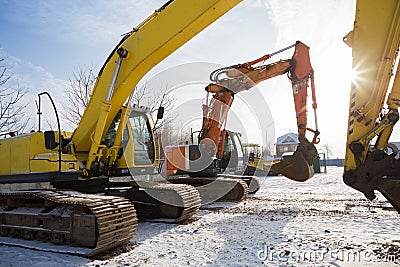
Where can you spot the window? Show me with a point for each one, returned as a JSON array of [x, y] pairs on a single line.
[[142, 138], [109, 137], [283, 149]]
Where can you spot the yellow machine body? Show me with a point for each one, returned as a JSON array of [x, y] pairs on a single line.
[[375, 42]]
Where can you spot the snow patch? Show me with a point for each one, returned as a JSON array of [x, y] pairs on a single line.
[[321, 222]]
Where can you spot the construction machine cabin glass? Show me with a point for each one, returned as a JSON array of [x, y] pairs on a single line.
[[138, 141], [109, 137], [232, 157], [228, 153], [136, 152], [142, 138]]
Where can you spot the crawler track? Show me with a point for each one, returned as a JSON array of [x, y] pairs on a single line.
[[215, 189], [252, 181], [174, 203], [67, 217]]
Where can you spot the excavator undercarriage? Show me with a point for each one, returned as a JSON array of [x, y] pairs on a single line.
[[215, 189], [155, 201], [100, 221], [252, 182]]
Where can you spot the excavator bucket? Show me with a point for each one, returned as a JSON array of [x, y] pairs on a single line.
[[380, 171], [299, 167], [390, 189]]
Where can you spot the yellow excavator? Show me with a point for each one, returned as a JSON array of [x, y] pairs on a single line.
[[86, 160], [370, 162], [202, 161]]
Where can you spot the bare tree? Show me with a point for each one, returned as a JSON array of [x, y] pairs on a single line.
[[80, 88], [327, 149], [12, 109], [268, 150], [142, 96], [184, 136], [165, 133], [78, 94]]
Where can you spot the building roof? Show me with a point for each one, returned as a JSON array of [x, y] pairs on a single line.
[[288, 139]]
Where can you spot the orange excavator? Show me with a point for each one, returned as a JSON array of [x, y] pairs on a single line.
[[202, 159], [244, 77]]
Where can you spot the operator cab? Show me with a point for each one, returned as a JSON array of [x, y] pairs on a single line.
[[138, 152]]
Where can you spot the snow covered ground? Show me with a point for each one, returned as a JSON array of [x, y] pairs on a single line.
[[321, 222]]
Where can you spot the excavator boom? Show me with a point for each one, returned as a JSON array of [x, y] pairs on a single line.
[[163, 32]]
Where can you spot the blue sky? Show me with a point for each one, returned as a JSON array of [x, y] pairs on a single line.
[[46, 40], [60, 35]]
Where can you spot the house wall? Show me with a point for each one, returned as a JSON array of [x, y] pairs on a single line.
[[282, 148]]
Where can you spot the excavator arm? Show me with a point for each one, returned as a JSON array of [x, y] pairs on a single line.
[[375, 43], [229, 81]]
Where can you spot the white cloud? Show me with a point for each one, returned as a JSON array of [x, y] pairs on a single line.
[[35, 79], [82, 21]]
